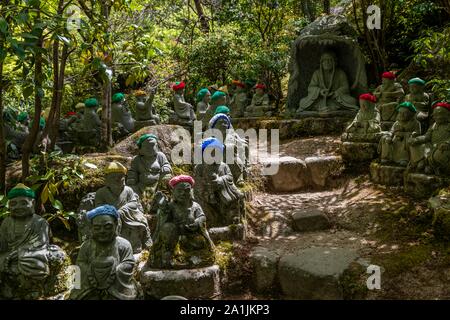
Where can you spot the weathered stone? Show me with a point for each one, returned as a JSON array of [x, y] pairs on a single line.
[[386, 175], [292, 175], [310, 220], [235, 232], [358, 151], [314, 273], [324, 169], [138, 125], [440, 205], [169, 136], [203, 283], [422, 185], [265, 267], [326, 32]]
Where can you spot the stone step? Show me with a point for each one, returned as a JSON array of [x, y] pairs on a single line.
[[311, 219], [297, 174]]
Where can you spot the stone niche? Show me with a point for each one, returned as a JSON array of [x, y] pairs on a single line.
[[327, 33]]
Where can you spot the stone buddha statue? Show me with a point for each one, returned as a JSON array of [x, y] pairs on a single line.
[[203, 99], [121, 116], [420, 100], [366, 125], [394, 145], [88, 133], [134, 225], [148, 168], [27, 259], [328, 91], [219, 98], [232, 140], [144, 109], [215, 190], [184, 112], [431, 152], [260, 105], [180, 221], [105, 260], [389, 95], [239, 100], [13, 132]]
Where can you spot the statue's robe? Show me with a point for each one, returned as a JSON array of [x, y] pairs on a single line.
[[422, 103], [144, 110], [387, 101], [369, 119], [221, 200], [92, 263], [398, 150], [201, 109], [341, 100], [183, 110], [238, 104], [134, 225], [143, 175], [122, 115], [32, 245], [437, 134]]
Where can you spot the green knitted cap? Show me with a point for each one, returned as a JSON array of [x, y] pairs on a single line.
[[222, 109], [408, 105], [117, 97], [91, 103], [217, 95], [417, 81], [21, 190], [145, 137]]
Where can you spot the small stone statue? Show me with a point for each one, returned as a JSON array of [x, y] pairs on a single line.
[[134, 225], [144, 109], [420, 100], [260, 105], [105, 260], [27, 259], [24, 122], [13, 132], [239, 99], [389, 95], [121, 115], [203, 99], [431, 152], [88, 133], [219, 98], [328, 91], [366, 125], [149, 167], [180, 221], [215, 190], [232, 140], [394, 145], [184, 112]]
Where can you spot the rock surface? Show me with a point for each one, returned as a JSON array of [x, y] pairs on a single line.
[[265, 264], [358, 151], [312, 219], [386, 174]]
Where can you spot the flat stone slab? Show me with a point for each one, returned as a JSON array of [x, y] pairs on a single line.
[[314, 273], [295, 128], [235, 232], [324, 169], [265, 268], [386, 174], [422, 185], [358, 151], [310, 220], [201, 283]]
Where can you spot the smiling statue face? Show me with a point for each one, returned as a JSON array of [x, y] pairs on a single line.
[[103, 229], [404, 114], [115, 181], [222, 125], [21, 207], [415, 88], [149, 147]]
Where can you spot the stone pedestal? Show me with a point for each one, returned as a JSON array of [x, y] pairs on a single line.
[[314, 273], [235, 232], [358, 151], [201, 283], [143, 123], [422, 185], [386, 174]]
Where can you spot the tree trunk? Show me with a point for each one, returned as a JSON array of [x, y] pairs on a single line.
[[2, 138], [308, 10], [201, 16], [32, 136], [326, 6]]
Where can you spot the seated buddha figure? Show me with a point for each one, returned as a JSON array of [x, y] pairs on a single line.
[[328, 91], [184, 112], [260, 105], [420, 100]]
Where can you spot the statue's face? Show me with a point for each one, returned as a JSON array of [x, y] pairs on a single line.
[[327, 62], [221, 101], [140, 99], [115, 181], [103, 229], [207, 98], [404, 114], [441, 115], [180, 91], [415, 88], [364, 105], [149, 147], [21, 207], [387, 82], [182, 192], [222, 125], [259, 91]]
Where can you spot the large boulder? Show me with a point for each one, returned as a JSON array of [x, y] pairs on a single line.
[[292, 174], [311, 219], [169, 137], [324, 169], [315, 273], [265, 269]]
